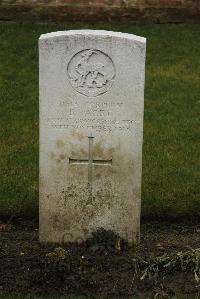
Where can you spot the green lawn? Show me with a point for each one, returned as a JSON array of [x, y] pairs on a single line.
[[172, 99]]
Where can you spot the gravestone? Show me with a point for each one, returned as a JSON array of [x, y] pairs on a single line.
[[91, 131]]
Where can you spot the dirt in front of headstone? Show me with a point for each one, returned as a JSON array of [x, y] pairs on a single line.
[[166, 262]]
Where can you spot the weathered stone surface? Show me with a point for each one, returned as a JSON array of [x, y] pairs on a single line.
[[91, 127], [157, 11]]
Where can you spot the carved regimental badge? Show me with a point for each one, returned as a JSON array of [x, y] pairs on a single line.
[[91, 72]]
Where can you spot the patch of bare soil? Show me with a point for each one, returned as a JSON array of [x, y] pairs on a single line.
[[166, 262]]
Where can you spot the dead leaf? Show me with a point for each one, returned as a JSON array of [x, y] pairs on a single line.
[[118, 246], [4, 227], [160, 292], [159, 246]]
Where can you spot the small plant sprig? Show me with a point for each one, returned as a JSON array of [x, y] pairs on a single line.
[[57, 254], [188, 261]]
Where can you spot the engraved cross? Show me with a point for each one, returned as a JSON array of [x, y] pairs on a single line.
[[90, 161]]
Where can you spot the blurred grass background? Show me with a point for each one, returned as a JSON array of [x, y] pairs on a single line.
[[170, 186]]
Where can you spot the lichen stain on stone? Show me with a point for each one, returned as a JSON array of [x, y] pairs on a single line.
[[84, 152], [111, 150], [98, 150], [79, 154], [52, 155], [75, 208], [80, 136], [97, 176], [59, 223], [101, 152], [82, 210], [62, 156], [60, 143]]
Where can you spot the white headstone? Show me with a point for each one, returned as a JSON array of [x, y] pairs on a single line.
[[91, 131]]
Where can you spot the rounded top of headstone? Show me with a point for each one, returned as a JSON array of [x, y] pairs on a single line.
[[89, 32]]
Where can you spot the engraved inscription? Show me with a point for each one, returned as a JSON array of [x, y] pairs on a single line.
[[98, 125], [92, 115], [90, 161], [91, 72]]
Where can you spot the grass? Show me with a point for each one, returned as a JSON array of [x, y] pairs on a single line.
[[170, 154]]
